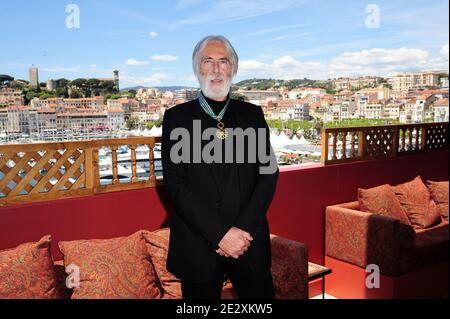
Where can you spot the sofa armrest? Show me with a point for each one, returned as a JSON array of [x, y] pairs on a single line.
[[362, 238], [289, 268]]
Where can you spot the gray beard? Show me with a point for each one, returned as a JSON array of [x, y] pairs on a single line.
[[214, 94]]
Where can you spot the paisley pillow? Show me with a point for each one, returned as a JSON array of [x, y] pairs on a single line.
[[117, 268], [26, 272], [439, 193]]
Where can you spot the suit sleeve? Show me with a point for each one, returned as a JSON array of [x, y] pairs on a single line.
[[194, 211], [256, 209]]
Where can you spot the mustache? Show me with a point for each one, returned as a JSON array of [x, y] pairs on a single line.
[[213, 77]]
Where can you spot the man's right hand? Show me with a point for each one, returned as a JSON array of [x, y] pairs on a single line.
[[235, 242]]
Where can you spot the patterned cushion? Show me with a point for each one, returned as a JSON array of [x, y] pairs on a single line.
[[112, 268], [382, 200], [157, 246], [26, 272], [289, 268], [362, 238], [439, 193], [416, 200]]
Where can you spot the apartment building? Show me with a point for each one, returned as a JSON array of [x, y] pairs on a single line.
[[404, 81], [355, 83], [440, 110], [258, 97], [10, 97]]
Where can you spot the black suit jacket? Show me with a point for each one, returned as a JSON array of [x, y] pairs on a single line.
[[201, 219]]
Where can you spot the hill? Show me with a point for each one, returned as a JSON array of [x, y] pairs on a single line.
[[264, 84]]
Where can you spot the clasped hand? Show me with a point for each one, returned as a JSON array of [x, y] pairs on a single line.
[[235, 243]]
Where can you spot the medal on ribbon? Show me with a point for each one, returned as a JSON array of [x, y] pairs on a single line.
[[221, 131]]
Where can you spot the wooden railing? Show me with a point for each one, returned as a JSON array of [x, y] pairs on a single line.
[[341, 145], [34, 172], [45, 171]]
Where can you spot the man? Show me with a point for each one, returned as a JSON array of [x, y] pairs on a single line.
[[219, 225]]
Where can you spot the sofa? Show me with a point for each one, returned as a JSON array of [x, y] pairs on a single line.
[[126, 267], [401, 229]]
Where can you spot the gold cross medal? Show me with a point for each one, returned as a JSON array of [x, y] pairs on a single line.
[[221, 132]]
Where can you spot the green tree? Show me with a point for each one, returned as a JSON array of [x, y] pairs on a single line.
[[17, 85], [29, 94], [129, 93], [239, 97], [93, 83], [5, 79], [132, 123], [62, 92], [62, 83], [75, 94], [111, 96], [79, 83], [87, 92], [107, 86], [46, 95], [150, 124]]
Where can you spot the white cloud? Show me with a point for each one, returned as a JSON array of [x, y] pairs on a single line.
[[134, 62], [153, 79], [444, 51], [286, 61], [376, 62], [153, 34], [382, 56], [164, 57], [253, 65]]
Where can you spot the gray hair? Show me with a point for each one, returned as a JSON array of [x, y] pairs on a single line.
[[234, 59]]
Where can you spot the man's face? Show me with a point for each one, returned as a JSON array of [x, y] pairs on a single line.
[[215, 70]]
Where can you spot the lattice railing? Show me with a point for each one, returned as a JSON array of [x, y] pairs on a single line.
[[369, 142], [44, 171]]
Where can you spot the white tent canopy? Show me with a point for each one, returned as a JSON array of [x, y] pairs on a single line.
[[154, 131], [280, 141], [303, 141], [295, 140]]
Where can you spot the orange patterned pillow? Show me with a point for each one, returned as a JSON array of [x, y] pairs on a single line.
[[381, 200], [416, 199], [157, 246], [439, 193], [26, 272], [112, 268]]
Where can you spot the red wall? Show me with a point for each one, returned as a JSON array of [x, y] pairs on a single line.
[[100, 216], [297, 211]]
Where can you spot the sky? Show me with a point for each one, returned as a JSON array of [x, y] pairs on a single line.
[[150, 42]]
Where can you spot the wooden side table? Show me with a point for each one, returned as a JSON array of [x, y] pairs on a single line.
[[316, 271]]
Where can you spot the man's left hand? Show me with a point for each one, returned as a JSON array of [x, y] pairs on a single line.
[[224, 254]]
